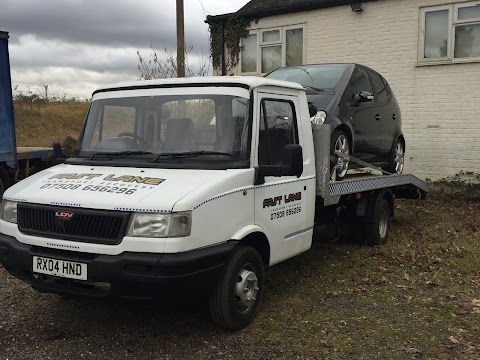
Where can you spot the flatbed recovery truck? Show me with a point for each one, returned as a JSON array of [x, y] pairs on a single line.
[[190, 187], [15, 162]]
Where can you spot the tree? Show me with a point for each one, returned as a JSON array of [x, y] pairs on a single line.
[[166, 67]]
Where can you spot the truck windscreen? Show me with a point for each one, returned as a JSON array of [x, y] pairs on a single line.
[[162, 128]]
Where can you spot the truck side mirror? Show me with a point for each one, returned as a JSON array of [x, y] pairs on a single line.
[[312, 109], [292, 160], [57, 150], [58, 156]]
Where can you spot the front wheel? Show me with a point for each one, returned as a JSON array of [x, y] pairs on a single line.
[[235, 301], [340, 149]]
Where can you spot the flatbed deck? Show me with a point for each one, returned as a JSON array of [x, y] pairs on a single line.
[[358, 181]]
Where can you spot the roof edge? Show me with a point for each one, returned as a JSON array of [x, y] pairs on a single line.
[[280, 10], [218, 18], [212, 81]]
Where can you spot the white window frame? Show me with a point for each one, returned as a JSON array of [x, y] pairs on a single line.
[[269, 43], [281, 42], [284, 47], [453, 22]]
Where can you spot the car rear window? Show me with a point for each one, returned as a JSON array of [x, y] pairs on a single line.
[[380, 87]]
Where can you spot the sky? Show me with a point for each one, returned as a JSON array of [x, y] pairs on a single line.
[[75, 46]]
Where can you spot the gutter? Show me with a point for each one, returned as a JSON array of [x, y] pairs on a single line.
[[252, 14]]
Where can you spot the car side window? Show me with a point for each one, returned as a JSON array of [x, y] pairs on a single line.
[[278, 127], [362, 81], [380, 88], [389, 92], [350, 91]]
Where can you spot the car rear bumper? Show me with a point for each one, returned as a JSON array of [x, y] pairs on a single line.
[[130, 274]]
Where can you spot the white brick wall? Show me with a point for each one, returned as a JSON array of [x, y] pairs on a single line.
[[439, 103]]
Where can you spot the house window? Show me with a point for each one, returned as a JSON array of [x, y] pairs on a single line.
[[294, 47], [249, 53], [268, 49], [450, 33]]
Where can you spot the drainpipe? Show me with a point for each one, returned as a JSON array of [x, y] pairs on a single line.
[[222, 29]]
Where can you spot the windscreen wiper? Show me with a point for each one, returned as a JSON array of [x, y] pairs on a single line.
[[120, 154], [314, 88], [309, 86], [188, 154]]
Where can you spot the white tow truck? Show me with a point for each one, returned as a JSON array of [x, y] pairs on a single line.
[[188, 186]]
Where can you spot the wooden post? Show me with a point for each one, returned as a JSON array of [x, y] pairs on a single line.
[[180, 40]]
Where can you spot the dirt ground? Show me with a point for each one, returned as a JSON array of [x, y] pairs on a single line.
[[416, 297]]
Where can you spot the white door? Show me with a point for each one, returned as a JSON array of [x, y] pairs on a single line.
[[280, 203]]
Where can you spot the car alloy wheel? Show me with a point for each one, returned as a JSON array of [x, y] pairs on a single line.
[[399, 157], [341, 151]]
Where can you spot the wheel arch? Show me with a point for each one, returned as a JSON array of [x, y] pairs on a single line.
[[369, 230], [254, 237], [386, 194], [365, 207]]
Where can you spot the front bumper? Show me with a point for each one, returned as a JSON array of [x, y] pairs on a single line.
[[130, 274]]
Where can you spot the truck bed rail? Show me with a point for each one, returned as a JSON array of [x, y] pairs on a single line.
[[375, 182]]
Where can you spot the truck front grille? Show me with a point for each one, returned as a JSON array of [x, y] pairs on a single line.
[[85, 225]]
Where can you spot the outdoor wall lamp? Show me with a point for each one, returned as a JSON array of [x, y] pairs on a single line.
[[357, 7]]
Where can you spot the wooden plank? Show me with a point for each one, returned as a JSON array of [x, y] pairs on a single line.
[[24, 153]]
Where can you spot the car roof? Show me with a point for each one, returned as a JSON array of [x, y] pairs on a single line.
[[316, 65], [241, 81]]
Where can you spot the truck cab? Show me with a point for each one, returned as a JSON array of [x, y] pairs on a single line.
[[184, 185]]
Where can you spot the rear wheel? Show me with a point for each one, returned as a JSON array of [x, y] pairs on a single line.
[[340, 149], [235, 301], [396, 161], [376, 230]]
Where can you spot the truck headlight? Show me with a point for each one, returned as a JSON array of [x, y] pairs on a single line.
[[9, 211], [160, 225], [181, 223]]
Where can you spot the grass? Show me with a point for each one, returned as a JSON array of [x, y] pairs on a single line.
[[417, 296], [41, 123]]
